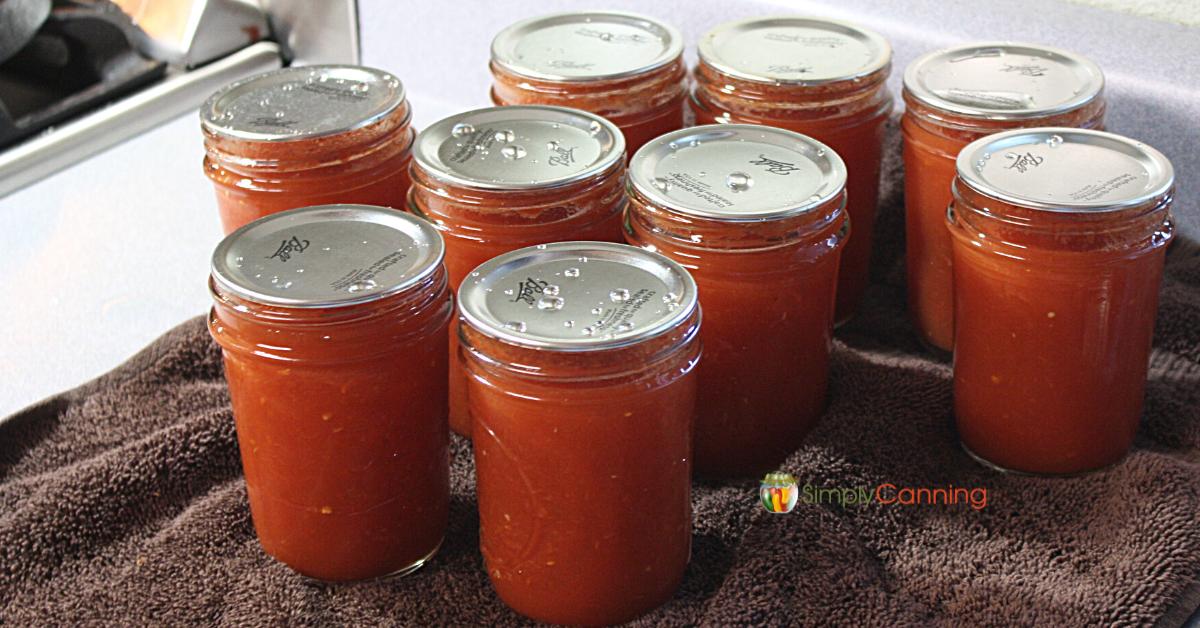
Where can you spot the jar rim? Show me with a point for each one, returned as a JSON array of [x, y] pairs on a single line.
[[879, 49], [363, 254], [1084, 171], [504, 45], [1072, 71], [604, 296], [322, 106]]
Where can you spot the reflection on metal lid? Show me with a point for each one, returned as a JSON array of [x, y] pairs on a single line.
[[737, 172], [577, 296], [519, 147], [1065, 170], [1003, 81], [302, 102], [586, 46], [794, 50], [327, 256]]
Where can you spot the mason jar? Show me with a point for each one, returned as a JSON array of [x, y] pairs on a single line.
[[1059, 239], [332, 322]]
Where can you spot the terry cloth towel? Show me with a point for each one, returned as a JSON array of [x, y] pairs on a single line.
[[122, 502]]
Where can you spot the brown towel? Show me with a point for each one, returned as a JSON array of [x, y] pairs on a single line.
[[122, 503]]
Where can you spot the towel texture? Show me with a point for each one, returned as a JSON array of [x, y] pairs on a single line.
[[122, 502]]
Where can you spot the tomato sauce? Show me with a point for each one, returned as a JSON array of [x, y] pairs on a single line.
[[626, 67], [581, 358], [1059, 241], [332, 322], [305, 136], [952, 98], [757, 215], [832, 87]]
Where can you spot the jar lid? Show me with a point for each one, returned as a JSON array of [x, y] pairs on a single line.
[[794, 50], [519, 147], [577, 296], [302, 102], [327, 256], [737, 172], [586, 46], [1065, 169], [1003, 81]]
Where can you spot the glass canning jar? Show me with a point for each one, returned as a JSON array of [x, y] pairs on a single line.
[[332, 321], [952, 98], [823, 78], [499, 179], [626, 67], [1059, 239], [305, 136], [580, 357], [758, 216]]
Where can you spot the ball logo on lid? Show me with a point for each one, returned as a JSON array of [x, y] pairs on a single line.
[[779, 493]]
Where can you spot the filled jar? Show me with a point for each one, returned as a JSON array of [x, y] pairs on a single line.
[[580, 358], [303, 136], [626, 67], [823, 78], [332, 321], [758, 216], [498, 179], [952, 98], [1059, 239]]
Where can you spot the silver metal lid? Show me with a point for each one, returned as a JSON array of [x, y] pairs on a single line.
[[1003, 81], [519, 147], [327, 256], [737, 172], [302, 102], [586, 46], [794, 50], [1065, 170], [577, 296]]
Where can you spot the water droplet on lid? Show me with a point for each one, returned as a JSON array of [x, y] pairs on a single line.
[[670, 297], [618, 295], [661, 183], [594, 128], [571, 272], [589, 331], [597, 310], [550, 303], [551, 290], [462, 129], [287, 87], [821, 152], [361, 87], [625, 326], [583, 259], [568, 324], [541, 247], [513, 151], [504, 136], [701, 173], [739, 181], [606, 36], [279, 114], [552, 145], [1054, 141], [264, 102], [361, 286], [517, 326], [509, 292]]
